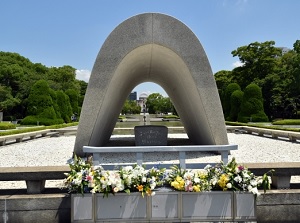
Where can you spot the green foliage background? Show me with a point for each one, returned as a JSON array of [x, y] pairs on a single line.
[[275, 72], [29, 91]]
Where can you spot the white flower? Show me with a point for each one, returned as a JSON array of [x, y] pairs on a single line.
[[128, 168], [152, 185], [245, 174], [229, 185], [116, 189], [255, 191], [152, 193], [214, 181], [253, 183], [76, 181], [188, 175], [238, 179], [249, 187], [259, 181], [197, 180], [207, 167]]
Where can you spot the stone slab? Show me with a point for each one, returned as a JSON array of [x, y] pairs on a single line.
[[151, 135]]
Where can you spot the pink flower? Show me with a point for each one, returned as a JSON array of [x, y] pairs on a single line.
[[241, 168], [189, 186], [88, 178]]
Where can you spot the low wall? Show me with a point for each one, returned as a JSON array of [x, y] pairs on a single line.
[[275, 206]]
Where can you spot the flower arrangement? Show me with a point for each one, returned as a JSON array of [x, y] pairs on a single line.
[[106, 182], [138, 179], [188, 180], [81, 176], [86, 178], [224, 177]]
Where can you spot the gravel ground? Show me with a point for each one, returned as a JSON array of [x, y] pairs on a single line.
[[57, 151]]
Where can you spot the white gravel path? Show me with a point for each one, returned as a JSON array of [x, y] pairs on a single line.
[[58, 151]]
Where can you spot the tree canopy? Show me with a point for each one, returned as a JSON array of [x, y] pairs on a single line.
[[18, 75], [275, 72], [156, 103]]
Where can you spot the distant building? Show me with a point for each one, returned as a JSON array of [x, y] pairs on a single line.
[[284, 50], [142, 101], [132, 96], [143, 96]]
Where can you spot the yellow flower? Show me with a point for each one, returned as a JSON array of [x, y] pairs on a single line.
[[149, 192], [223, 181], [175, 184], [196, 188], [179, 185], [203, 175], [178, 178]]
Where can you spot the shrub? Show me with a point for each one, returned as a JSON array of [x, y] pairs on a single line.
[[235, 104], [259, 117], [64, 105], [171, 117], [55, 105], [227, 98], [73, 96], [252, 105], [39, 98], [287, 122], [6, 125], [34, 120]]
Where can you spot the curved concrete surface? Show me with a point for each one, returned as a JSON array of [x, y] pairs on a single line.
[[157, 48]]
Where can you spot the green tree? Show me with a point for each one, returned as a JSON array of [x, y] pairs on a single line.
[[235, 104], [259, 60], [40, 102], [55, 105], [131, 107], [166, 105], [227, 98], [153, 103], [82, 89], [223, 78], [40, 105], [64, 105], [74, 97], [7, 101], [62, 78], [18, 74], [260, 64], [252, 105]]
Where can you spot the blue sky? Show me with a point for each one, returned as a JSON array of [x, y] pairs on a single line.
[[71, 32]]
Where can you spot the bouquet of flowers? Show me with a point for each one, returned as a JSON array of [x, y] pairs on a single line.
[[233, 177], [188, 180], [107, 181], [229, 176], [138, 179], [81, 176]]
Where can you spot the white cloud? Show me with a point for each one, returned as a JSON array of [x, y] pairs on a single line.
[[237, 64], [83, 75]]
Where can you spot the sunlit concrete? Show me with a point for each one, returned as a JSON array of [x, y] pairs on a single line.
[[155, 48]]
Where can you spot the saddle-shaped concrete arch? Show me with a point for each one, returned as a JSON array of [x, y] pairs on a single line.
[[157, 48]]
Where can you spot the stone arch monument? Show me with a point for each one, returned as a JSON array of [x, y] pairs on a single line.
[[157, 48]]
